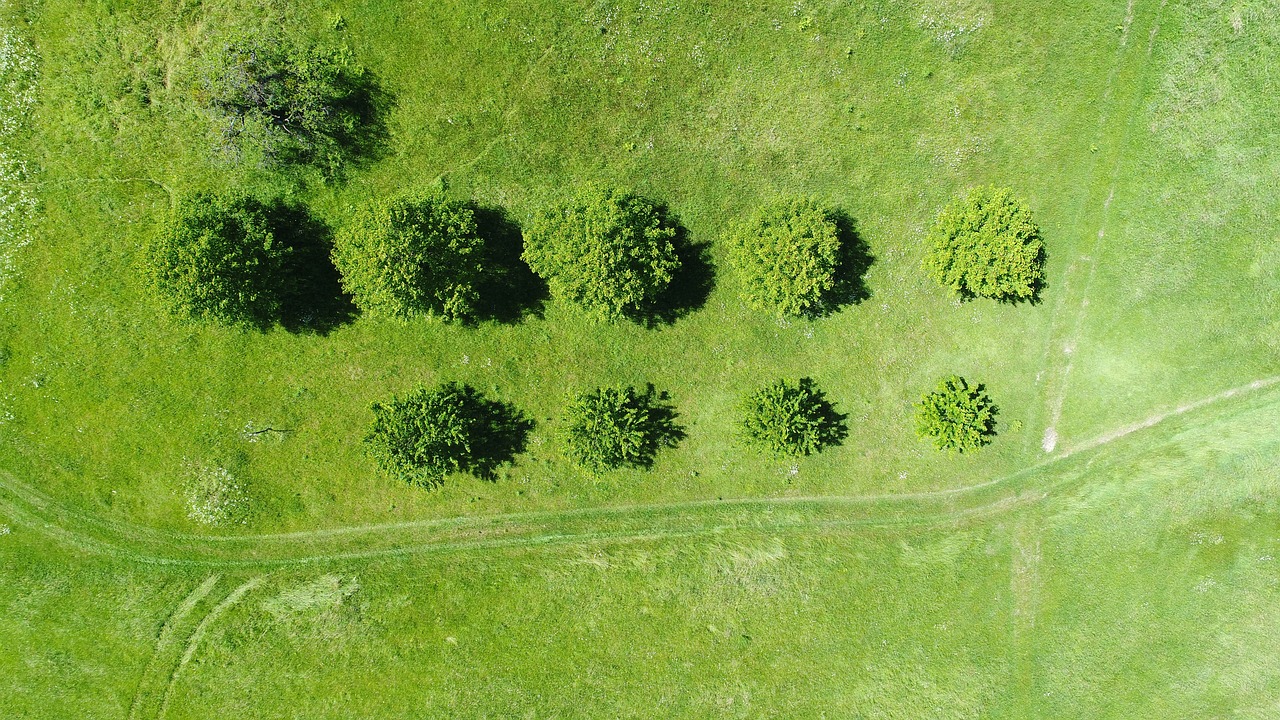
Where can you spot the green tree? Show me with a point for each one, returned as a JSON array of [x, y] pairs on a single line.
[[791, 419], [608, 428], [273, 99], [787, 253], [986, 244], [431, 432], [415, 254], [216, 257], [956, 416], [603, 249]]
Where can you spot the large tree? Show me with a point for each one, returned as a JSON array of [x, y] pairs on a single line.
[[415, 254], [613, 427], [790, 418], [603, 249], [216, 257], [786, 254], [986, 244]]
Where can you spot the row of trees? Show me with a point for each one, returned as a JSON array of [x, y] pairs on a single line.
[[430, 432], [607, 251]]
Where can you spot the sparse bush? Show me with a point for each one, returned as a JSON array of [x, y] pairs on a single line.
[[216, 257], [986, 244], [275, 100], [608, 428], [605, 250], [787, 253], [787, 419], [415, 254], [214, 496], [956, 416], [429, 433]]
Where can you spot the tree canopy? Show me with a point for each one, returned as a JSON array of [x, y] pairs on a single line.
[[612, 427], [787, 418], [787, 254], [986, 244], [956, 416]]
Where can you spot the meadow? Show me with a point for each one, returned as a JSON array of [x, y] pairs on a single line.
[[1111, 554]]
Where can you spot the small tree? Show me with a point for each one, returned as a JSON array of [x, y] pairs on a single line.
[[785, 418], [986, 244], [216, 257], [786, 254], [429, 433], [608, 428], [273, 99], [956, 416], [416, 254], [605, 250]]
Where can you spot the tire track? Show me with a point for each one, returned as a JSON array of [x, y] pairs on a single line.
[[625, 523], [150, 683]]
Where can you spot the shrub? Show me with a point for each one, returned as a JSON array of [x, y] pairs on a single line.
[[415, 254], [603, 249], [958, 417], [611, 427], [785, 418], [216, 257], [786, 254], [429, 433], [273, 99], [986, 244]]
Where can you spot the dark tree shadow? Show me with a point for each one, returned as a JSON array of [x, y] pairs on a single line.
[[500, 433], [691, 284], [832, 429], [659, 425], [362, 99], [312, 299], [508, 289], [851, 267]]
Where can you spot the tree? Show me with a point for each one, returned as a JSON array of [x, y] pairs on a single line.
[[431, 432], [787, 253], [217, 258], [603, 249], [791, 419], [608, 428], [415, 254], [276, 100], [986, 244], [956, 416]]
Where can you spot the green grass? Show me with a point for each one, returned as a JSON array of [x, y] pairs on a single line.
[[1130, 578]]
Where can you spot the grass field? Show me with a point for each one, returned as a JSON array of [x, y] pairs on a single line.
[[1110, 555]]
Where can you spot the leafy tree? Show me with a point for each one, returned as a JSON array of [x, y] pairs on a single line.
[[217, 258], [415, 254], [986, 244], [787, 253], [278, 100], [956, 416], [429, 433], [603, 249], [785, 418], [611, 427]]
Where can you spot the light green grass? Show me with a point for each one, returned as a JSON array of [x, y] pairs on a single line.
[[1131, 574]]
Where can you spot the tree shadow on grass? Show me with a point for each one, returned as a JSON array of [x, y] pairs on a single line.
[[363, 99], [832, 429], [312, 301], [508, 289], [691, 284], [660, 427], [501, 432], [852, 265]]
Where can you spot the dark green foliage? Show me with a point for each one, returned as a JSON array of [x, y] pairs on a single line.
[[786, 418], [603, 249], [415, 254], [611, 427], [429, 433], [275, 100], [957, 416], [986, 244], [787, 254], [216, 257]]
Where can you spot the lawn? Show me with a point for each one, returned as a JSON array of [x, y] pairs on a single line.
[[1110, 554]]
